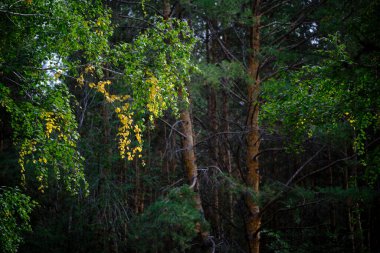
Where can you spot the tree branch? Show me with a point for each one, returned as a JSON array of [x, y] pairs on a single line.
[[303, 166], [22, 14]]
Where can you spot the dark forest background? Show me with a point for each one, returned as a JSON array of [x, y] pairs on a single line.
[[189, 126]]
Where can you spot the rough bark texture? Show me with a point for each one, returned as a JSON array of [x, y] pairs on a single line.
[[188, 146], [253, 136], [189, 154]]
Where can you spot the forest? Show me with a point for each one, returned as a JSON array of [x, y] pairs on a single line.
[[207, 126]]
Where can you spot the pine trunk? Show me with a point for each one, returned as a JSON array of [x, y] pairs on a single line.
[[253, 136]]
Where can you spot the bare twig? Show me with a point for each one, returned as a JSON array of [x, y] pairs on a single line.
[[303, 166], [172, 127], [326, 167]]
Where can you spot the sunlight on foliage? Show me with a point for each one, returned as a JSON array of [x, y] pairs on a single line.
[[154, 67], [47, 138], [43, 123]]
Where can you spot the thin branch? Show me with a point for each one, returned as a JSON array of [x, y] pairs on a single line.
[[303, 166], [241, 95], [235, 94], [326, 167], [281, 193], [274, 7], [224, 48], [277, 71], [145, 4], [294, 45], [112, 71], [22, 14], [212, 167], [10, 6], [173, 184], [243, 48], [195, 180], [267, 150], [172, 127], [291, 208], [210, 238], [221, 133], [137, 19], [372, 142], [200, 122]]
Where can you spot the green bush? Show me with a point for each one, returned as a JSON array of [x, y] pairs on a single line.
[[168, 225]]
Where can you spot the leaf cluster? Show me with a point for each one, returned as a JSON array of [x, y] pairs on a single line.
[[323, 99], [15, 208]]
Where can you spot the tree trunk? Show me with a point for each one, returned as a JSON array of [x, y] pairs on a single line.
[[226, 158], [213, 142], [214, 152], [188, 146], [189, 155], [253, 136]]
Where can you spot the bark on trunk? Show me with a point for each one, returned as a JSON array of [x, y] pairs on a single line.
[[189, 154], [253, 136], [214, 144], [226, 157], [188, 146]]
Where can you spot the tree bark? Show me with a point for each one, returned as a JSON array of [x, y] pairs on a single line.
[[189, 155], [188, 146], [253, 136], [213, 142], [226, 158]]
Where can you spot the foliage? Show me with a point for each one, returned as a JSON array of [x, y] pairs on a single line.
[[168, 224], [152, 69], [277, 243], [225, 11], [371, 162], [351, 195], [155, 66], [15, 208], [73, 84], [214, 73], [33, 30], [324, 98], [47, 33], [45, 132]]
